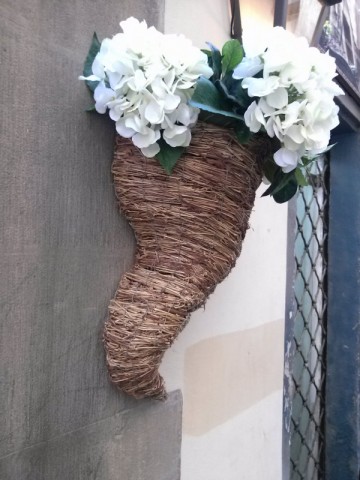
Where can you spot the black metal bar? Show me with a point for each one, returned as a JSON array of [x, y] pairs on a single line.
[[330, 2], [280, 13], [235, 28]]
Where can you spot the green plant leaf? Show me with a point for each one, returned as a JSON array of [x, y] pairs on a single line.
[[90, 109], [207, 97], [168, 156], [233, 90], [93, 51], [214, 60], [215, 110], [283, 186], [306, 161], [279, 181], [220, 85], [287, 192], [91, 84], [207, 52], [242, 133], [232, 54], [300, 178], [217, 119], [270, 169]]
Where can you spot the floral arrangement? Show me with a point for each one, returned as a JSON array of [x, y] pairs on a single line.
[[157, 86]]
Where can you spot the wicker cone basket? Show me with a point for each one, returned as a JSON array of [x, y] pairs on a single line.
[[189, 228]]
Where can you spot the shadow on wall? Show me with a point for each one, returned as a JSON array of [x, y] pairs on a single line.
[[227, 374]]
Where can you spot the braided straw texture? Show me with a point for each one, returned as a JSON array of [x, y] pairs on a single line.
[[189, 227]]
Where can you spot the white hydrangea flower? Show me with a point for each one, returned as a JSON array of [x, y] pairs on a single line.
[[248, 67], [278, 98], [293, 97], [177, 136], [145, 81], [254, 117], [146, 137], [287, 159], [102, 96], [254, 44], [151, 150], [259, 87]]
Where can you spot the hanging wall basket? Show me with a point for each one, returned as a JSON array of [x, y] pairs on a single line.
[[189, 225], [189, 228]]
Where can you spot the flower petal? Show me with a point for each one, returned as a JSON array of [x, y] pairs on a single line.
[[143, 140], [151, 150], [248, 67], [295, 132], [255, 41], [102, 95], [260, 87], [286, 159], [186, 115], [290, 144], [278, 98], [90, 78], [177, 137], [154, 112], [171, 102], [252, 117], [124, 131]]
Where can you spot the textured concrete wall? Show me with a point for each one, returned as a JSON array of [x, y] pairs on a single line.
[[63, 247]]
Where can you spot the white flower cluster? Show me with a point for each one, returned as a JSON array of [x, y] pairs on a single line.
[[295, 94], [145, 80]]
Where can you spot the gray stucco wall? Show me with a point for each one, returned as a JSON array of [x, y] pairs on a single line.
[[63, 247]]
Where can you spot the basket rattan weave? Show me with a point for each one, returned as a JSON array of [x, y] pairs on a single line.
[[189, 227]]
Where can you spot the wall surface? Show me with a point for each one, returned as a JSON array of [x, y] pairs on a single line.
[[229, 359], [63, 247]]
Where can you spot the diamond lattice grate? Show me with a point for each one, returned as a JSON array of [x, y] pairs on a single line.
[[308, 375]]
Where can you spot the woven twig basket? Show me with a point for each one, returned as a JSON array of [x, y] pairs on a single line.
[[189, 227]]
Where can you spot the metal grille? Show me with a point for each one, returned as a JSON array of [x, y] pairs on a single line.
[[308, 372]]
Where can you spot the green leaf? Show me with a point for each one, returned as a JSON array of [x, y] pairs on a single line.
[[90, 109], [220, 85], [168, 156], [286, 192], [283, 187], [306, 161], [270, 169], [215, 61], [215, 110], [232, 54], [280, 180], [233, 90], [300, 178], [207, 97], [93, 51], [242, 133], [217, 119], [207, 52], [91, 84]]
